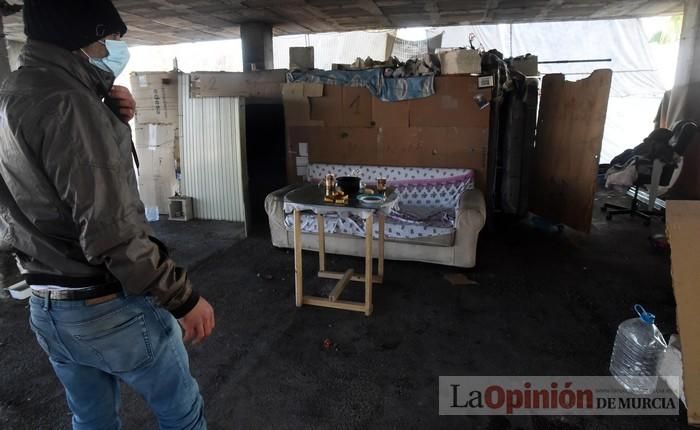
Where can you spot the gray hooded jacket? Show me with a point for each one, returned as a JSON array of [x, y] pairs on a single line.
[[69, 203]]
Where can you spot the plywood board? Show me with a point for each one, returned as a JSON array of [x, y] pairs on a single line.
[[683, 225], [260, 87], [569, 138]]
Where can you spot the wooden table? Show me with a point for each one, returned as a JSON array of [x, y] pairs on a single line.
[[310, 198]]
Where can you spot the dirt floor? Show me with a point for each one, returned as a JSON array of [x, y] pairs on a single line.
[[545, 304]]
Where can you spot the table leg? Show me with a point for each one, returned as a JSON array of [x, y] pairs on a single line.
[[380, 264], [369, 236], [320, 220], [298, 275]]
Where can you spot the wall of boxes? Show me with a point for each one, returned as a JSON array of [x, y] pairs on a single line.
[[157, 136]]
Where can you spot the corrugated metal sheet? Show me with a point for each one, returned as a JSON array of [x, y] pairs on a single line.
[[212, 167]]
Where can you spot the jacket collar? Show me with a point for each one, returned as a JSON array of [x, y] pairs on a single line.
[[42, 54]]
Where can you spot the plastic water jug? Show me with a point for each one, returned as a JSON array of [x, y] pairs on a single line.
[[152, 213], [638, 348]]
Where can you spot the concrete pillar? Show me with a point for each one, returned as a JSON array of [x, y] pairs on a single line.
[[684, 103], [256, 41]]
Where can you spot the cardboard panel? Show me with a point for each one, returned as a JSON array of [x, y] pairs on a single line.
[[390, 114], [329, 107], [297, 107], [344, 146], [683, 225], [357, 107], [156, 97], [569, 137], [452, 105], [434, 147]]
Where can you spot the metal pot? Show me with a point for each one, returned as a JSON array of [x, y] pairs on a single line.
[[350, 185]]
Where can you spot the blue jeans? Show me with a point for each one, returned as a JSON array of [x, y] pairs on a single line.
[[130, 339]]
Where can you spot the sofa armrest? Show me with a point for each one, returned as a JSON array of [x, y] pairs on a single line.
[[469, 220], [274, 207], [472, 206]]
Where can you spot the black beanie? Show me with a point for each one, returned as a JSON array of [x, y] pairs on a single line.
[[71, 24]]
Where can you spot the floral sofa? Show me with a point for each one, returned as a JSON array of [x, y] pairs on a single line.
[[437, 219]]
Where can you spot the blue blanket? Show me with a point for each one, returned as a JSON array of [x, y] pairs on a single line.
[[386, 89]]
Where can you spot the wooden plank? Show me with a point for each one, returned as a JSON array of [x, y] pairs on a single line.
[[340, 304], [320, 221], [369, 236], [264, 85], [355, 278], [569, 138], [340, 286], [298, 274], [683, 226]]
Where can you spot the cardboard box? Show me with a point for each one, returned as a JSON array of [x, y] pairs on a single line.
[[341, 145], [390, 114], [683, 225], [297, 107], [445, 130], [155, 191], [447, 147], [156, 97], [154, 135], [356, 107], [343, 107], [301, 58], [460, 61], [328, 109], [453, 105]]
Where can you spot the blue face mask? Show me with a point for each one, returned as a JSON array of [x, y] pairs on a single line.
[[116, 60]]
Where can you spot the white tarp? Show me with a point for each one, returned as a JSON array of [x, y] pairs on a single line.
[[636, 90]]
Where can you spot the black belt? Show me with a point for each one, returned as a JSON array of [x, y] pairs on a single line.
[[88, 293]]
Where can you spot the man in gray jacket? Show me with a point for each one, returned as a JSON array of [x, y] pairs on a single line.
[[106, 297]]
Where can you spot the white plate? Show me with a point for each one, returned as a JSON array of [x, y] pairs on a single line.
[[369, 199]]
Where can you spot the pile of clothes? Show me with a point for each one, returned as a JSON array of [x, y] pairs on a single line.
[[426, 64]]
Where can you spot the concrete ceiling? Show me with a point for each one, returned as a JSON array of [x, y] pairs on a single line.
[[174, 21]]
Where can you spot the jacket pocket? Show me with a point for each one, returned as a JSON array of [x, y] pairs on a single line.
[[122, 348]]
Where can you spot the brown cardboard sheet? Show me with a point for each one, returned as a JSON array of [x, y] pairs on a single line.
[[297, 107], [156, 97], [683, 227], [452, 105], [390, 114]]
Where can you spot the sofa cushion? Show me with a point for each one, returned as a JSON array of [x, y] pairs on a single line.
[[416, 186], [394, 227]]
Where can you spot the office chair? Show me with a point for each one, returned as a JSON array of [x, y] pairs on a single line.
[[659, 165]]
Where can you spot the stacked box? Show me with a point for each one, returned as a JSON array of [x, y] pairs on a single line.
[[156, 136]]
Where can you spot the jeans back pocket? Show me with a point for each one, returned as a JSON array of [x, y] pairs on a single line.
[[122, 348]]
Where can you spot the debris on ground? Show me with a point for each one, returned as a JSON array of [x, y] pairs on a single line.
[[266, 276], [458, 279], [328, 344]]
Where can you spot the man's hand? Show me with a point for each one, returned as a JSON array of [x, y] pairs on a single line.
[[199, 322], [123, 98]]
